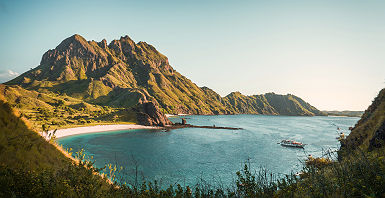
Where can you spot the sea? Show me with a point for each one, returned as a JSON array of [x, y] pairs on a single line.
[[191, 156]]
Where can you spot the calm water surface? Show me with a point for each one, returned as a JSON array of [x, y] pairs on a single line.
[[188, 155]]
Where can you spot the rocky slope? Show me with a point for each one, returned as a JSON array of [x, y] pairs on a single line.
[[125, 74]]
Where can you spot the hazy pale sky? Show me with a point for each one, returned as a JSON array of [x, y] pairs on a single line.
[[330, 53]]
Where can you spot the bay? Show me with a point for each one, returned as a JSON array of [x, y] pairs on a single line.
[[189, 155]]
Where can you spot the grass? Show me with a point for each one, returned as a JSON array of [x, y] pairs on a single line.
[[364, 131], [21, 147], [62, 111]]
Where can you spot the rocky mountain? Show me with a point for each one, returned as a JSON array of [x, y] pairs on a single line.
[[125, 74]]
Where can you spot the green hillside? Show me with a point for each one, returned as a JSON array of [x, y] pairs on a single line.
[[32, 167], [123, 74], [369, 132], [61, 110], [269, 104], [21, 147]]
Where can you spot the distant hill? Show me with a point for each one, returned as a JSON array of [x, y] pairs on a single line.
[[344, 113], [124, 74]]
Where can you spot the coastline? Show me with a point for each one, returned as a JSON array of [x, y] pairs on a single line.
[[98, 128], [177, 115]]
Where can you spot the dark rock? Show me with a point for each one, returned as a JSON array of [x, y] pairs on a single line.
[[378, 139], [149, 114], [103, 44], [184, 121]]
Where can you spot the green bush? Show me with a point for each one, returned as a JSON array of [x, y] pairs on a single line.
[[361, 176]]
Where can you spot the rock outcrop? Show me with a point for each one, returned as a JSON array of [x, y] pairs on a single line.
[[378, 139], [149, 114]]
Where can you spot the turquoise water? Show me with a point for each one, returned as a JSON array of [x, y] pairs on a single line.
[[187, 155]]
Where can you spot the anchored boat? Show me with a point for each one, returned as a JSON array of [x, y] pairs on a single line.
[[292, 143]]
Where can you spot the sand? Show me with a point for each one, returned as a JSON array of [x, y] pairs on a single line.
[[98, 128], [176, 115]]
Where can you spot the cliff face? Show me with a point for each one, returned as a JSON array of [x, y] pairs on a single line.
[[148, 114], [124, 74], [369, 132]]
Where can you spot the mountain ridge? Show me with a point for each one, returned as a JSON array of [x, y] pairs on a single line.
[[124, 73]]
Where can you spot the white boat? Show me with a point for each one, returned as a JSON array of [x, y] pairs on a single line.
[[292, 143]]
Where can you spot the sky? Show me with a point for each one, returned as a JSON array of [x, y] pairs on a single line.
[[329, 53]]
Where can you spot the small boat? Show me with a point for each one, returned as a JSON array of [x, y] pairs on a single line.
[[292, 143]]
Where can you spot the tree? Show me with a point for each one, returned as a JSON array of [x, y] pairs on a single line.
[[115, 118], [60, 102]]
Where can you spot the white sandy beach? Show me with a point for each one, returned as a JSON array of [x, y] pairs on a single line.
[[99, 128], [176, 115]]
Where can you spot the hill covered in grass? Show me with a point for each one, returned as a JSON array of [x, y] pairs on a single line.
[[369, 132], [269, 104], [32, 167], [123, 74], [21, 147], [61, 110]]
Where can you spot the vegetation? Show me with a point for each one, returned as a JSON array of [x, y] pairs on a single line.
[[60, 110], [21, 147], [270, 103], [73, 180], [368, 134]]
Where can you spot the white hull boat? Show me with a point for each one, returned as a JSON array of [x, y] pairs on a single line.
[[292, 143]]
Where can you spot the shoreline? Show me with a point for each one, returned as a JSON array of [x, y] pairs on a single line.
[[177, 115], [60, 133]]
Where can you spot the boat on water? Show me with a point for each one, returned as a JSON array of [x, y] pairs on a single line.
[[292, 143]]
